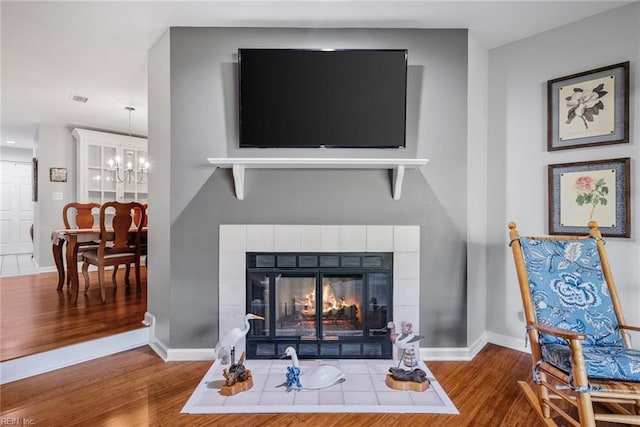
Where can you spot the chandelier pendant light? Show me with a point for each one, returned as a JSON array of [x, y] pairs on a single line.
[[123, 170]]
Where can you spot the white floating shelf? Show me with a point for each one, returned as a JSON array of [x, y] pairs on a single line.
[[238, 165]]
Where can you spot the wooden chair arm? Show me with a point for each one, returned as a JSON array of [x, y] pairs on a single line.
[[630, 328], [559, 332]]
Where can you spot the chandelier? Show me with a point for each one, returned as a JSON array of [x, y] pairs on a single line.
[[126, 170]]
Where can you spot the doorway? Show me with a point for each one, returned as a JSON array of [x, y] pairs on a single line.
[[16, 209]]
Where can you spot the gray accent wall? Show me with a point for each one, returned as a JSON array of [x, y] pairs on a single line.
[[192, 109]]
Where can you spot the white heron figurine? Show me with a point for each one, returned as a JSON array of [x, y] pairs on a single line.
[[317, 377], [228, 342]]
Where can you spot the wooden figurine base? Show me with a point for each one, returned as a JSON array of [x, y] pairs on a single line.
[[230, 390], [405, 385]]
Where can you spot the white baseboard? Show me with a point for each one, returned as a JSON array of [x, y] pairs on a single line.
[[477, 345], [28, 366], [508, 342], [190, 354]]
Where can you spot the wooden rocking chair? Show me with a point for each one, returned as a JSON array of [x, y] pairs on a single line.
[[583, 365]]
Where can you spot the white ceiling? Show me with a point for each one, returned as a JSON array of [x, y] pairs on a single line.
[[52, 50]]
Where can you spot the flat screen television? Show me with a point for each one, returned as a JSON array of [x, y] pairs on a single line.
[[353, 98]]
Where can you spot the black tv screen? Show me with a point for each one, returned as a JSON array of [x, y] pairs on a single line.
[[322, 98]]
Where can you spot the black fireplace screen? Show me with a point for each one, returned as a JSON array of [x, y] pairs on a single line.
[[325, 305]]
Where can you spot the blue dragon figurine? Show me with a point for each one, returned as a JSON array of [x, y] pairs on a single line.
[[293, 378]]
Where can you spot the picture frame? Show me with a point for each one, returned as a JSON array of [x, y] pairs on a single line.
[[58, 174], [589, 109], [596, 190]]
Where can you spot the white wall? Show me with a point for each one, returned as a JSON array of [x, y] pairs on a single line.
[[518, 156], [10, 154], [54, 148]]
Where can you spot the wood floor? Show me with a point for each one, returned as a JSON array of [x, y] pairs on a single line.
[[35, 317], [136, 388]]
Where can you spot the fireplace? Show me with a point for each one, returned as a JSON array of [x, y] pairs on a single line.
[[329, 305], [236, 240]]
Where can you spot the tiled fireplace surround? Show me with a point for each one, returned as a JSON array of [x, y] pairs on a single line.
[[238, 239]]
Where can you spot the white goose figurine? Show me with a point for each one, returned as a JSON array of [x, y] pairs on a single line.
[[317, 377]]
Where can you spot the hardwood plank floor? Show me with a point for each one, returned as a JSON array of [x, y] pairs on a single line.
[[137, 388], [35, 317]]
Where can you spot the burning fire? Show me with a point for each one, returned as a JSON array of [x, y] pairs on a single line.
[[330, 302]]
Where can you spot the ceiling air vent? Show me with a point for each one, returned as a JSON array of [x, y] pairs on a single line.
[[79, 98]]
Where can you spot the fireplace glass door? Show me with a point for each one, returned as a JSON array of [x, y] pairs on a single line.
[[341, 306], [295, 306], [325, 305]]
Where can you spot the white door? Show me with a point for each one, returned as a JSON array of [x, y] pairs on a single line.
[[16, 208]]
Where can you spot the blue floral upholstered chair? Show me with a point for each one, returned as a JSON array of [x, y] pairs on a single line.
[[584, 367]]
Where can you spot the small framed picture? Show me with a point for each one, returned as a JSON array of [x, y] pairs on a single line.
[[58, 174], [588, 109], [590, 191]]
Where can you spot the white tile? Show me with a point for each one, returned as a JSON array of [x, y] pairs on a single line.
[[330, 238], [260, 238], [379, 369], [276, 382], [10, 265], [307, 397], [379, 383], [243, 399], [259, 380], [232, 265], [406, 238], [426, 398], [408, 291], [279, 366], [357, 382], [394, 398], [409, 313], [353, 238], [228, 292], [360, 398], [26, 264], [233, 237], [353, 367], [261, 367], [331, 398], [286, 238], [379, 238], [277, 398], [310, 238], [211, 397], [406, 265]]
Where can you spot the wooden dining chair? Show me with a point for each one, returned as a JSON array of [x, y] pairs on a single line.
[[137, 215], [143, 240], [80, 215], [117, 244]]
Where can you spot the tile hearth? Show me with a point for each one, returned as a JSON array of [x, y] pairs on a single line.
[[364, 390]]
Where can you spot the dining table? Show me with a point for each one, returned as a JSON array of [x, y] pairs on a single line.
[[73, 238]]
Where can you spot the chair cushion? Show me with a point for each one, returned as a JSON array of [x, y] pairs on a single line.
[[569, 291], [604, 362]]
